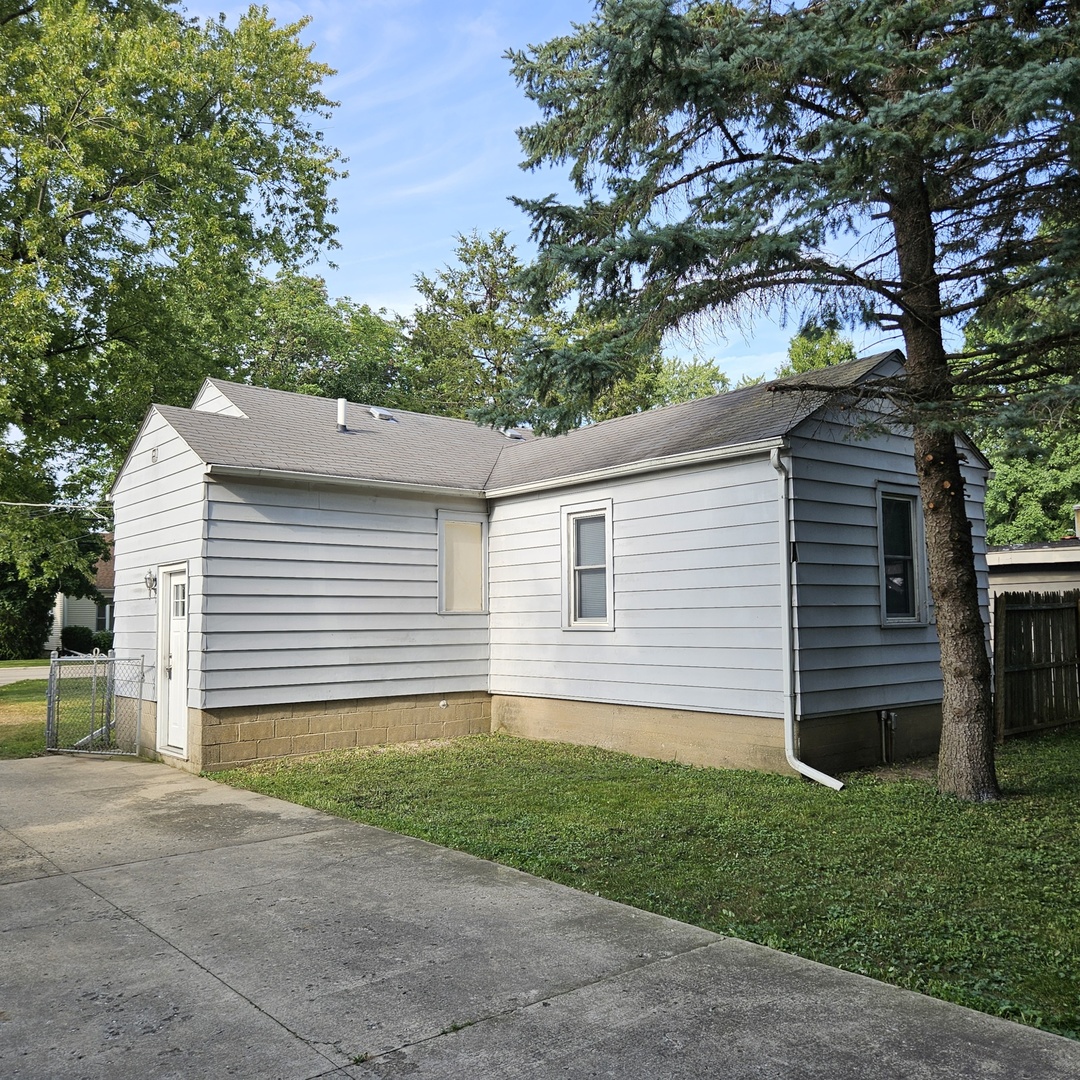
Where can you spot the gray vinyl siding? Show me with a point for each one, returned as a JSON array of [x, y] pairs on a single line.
[[158, 509], [317, 593], [697, 588], [846, 659]]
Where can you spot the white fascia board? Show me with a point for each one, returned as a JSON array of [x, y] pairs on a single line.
[[1034, 557], [674, 461], [241, 472]]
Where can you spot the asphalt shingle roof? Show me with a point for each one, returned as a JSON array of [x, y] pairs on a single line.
[[297, 433]]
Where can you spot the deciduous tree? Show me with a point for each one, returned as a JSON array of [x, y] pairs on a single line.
[[297, 338], [150, 165]]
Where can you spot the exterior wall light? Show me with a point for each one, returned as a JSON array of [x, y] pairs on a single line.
[[150, 581]]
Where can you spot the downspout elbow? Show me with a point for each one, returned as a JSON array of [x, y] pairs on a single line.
[[788, 633]]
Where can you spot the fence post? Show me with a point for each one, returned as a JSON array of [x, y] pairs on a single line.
[[138, 707], [93, 697], [1001, 606], [110, 693], [52, 701]]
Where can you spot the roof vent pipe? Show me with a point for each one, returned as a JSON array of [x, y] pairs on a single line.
[[341, 414]]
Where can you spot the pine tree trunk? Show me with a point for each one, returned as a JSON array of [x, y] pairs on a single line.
[[966, 758]]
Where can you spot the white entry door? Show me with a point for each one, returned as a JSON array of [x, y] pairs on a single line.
[[173, 662]]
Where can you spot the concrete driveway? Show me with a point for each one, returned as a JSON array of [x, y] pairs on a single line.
[[155, 924]]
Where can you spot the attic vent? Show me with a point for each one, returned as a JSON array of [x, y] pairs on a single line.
[[514, 436], [382, 414]]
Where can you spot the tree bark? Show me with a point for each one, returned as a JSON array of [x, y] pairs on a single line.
[[966, 756]]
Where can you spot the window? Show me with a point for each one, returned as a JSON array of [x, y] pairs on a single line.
[[902, 570], [462, 543], [179, 600], [587, 567]]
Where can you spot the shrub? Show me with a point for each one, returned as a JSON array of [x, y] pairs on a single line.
[[77, 639], [25, 617], [103, 640]]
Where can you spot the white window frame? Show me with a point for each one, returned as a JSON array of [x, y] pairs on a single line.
[[570, 514], [919, 574], [470, 516]]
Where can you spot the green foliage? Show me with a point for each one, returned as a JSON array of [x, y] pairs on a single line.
[[301, 340], [102, 641], [733, 157], [972, 903], [77, 639], [490, 340], [148, 170], [663, 381], [1034, 488], [1033, 446], [26, 616], [465, 334], [815, 347]]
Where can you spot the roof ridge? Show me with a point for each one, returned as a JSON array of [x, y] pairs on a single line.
[[358, 404]]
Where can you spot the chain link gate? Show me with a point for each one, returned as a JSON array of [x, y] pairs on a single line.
[[94, 704]]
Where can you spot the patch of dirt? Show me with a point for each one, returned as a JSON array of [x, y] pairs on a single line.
[[21, 714], [924, 768]]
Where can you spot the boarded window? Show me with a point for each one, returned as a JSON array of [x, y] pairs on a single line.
[[461, 569]]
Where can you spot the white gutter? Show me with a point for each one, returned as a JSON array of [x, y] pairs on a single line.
[[672, 461], [787, 616], [242, 472]]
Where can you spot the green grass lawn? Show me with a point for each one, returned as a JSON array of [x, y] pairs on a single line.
[[22, 718], [23, 663], [975, 904]]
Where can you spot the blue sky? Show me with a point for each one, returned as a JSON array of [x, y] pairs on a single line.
[[427, 118]]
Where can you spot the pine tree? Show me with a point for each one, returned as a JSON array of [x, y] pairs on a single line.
[[892, 160]]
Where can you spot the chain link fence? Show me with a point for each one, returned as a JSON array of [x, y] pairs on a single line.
[[94, 704]]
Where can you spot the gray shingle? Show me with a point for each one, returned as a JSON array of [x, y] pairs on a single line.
[[298, 433]]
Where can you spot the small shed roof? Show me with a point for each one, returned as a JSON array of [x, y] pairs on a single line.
[[297, 434]]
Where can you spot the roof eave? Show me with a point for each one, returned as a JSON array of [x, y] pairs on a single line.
[[243, 472], [672, 461]]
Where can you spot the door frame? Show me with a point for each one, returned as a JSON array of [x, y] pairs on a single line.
[[164, 614]]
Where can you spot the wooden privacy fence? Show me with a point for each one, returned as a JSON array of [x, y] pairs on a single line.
[[1036, 661]]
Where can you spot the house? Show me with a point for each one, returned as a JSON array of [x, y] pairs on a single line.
[[84, 610], [737, 580], [1049, 567]]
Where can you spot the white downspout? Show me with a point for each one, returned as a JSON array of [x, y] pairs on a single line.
[[787, 626]]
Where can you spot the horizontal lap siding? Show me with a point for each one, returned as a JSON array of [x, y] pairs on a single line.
[[696, 595], [847, 660], [322, 593], [158, 508]]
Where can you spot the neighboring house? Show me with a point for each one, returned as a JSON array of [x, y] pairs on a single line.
[[1049, 567], [735, 580], [84, 610]]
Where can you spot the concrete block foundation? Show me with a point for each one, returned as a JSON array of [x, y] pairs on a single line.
[[224, 738], [695, 738]]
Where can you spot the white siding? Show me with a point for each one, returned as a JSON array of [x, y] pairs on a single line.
[[212, 400], [696, 594], [319, 593], [158, 509], [847, 660]]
